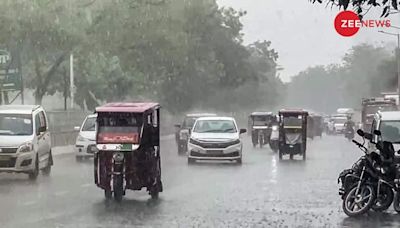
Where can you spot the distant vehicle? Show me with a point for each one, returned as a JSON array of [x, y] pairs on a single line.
[[25, 142], [85, 145], [391, 95], [388, 123], [183, 130], [346, 111], [274, 139], [338, 124], [260, 124], [370, 106], [292, 133], [215, 138]]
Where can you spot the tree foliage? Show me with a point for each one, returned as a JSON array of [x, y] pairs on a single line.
[[363, 6], [365, 71], [180, 52]]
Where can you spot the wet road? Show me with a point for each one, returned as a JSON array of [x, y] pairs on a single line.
[[262, 192]]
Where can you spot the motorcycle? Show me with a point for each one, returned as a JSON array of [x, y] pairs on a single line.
[[373, 169]]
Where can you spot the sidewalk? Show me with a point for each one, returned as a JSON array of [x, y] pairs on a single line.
[[59, 150]]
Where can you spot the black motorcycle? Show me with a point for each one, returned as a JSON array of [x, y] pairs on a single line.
[[376, 171]]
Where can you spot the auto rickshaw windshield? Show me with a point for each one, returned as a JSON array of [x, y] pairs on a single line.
[[261, 120], [292, 121], [120, 123]]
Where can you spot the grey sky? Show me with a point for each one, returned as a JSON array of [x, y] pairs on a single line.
[[302, 33]]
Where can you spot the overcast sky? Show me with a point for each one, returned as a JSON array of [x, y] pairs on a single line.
[[303, 33]]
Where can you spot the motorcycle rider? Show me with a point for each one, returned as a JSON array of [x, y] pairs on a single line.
[[349, 126]]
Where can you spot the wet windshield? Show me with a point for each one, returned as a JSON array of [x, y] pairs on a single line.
[[261, 120], [90, 124], [292, 121], [16, 124], [390, 131], [123, 123], [215, 126]]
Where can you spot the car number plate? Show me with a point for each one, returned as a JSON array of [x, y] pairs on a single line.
[[214, 152]]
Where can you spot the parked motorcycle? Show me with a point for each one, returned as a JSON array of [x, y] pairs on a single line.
[[373, 171]]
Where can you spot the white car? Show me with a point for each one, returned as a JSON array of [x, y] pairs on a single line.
[[85, 145], [215, 138], [25, 142]]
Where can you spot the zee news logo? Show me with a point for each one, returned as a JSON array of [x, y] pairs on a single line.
[[347, 23]]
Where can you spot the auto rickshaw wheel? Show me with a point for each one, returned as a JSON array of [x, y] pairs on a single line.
[[291, 156], [304, 155], [239, 161], [280, 154], [107, 194], [118, 188]]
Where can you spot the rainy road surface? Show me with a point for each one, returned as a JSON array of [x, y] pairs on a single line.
[[262, 192]]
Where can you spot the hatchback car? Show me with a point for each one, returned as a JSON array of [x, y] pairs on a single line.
[[85, 145], [25, 141], [215, 138]]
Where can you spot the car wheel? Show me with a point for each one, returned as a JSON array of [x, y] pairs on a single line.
[[35, 172], [191, 161], [47, 170]]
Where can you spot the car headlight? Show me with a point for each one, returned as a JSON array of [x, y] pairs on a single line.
[[27, 147], [274, 128], [195, 142], [237, 141], [80, 138]]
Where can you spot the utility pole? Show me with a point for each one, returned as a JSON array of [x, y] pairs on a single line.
[[71, 79]]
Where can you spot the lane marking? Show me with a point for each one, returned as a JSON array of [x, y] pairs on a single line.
[[29, 203], [61, 193], [85, 185]]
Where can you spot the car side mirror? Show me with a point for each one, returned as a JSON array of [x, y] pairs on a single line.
[[77, 128], [377, 132], [40, 130], [360, 132], [243, 131]]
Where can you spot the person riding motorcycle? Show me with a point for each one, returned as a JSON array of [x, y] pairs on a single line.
[[349, 125]]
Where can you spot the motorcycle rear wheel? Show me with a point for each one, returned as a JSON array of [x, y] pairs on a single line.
[[396, 202], [356, 205], [385, 199]]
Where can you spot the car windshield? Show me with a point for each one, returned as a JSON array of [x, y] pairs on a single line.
[[390, 131], [340, 120], [215, 126], [90, 124], [16, 124]]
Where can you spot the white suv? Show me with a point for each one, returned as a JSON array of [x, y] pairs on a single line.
[[25, 142]]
